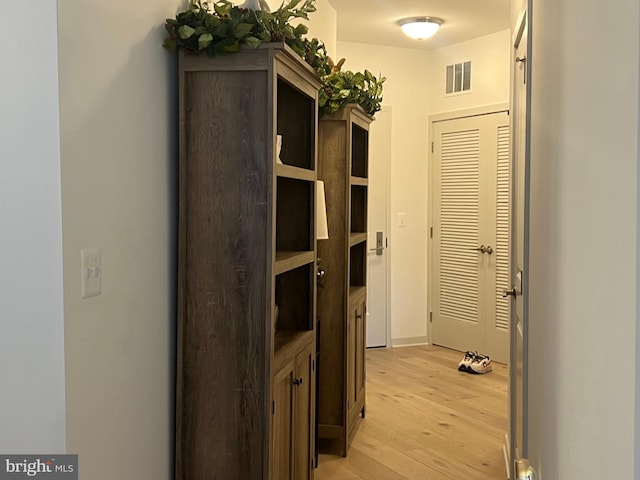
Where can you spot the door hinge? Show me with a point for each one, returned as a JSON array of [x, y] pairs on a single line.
[[431, 147], [273, 407], [430, 317], [430, 232]]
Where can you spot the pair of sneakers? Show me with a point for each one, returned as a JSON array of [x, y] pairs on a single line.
[[474, 362]]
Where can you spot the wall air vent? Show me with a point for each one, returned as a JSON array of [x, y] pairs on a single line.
[[458, 78]]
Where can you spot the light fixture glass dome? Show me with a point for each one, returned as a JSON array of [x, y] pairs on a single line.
[[420, 28]]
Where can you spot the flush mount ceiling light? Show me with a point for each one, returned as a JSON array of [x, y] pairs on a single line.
[[420, 28]]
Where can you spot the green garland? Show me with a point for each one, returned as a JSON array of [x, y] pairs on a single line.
[[341, 88], [220, 27]]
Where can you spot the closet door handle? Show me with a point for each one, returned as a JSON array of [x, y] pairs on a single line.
[[481, 248], [489, 250]]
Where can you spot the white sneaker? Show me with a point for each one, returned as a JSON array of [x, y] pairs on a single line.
[[481, 364], [465, 363]]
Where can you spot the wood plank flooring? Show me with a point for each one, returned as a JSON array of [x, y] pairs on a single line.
[[426, 420]]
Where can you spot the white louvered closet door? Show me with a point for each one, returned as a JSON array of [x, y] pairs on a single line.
[[471, 234]]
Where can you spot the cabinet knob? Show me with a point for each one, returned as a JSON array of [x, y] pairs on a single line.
[[297, 381]]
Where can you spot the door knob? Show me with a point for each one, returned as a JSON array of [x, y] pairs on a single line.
[[481, 248], [512, 292], [489, 250]]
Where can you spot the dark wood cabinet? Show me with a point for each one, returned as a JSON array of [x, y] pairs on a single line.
[[343, 166], [247, 266]]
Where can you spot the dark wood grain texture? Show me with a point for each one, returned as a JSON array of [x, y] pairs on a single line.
[[228, 274], [343, 158]]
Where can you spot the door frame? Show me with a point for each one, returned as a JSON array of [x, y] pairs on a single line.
[[387, 186], [511, 454], [433, 119]]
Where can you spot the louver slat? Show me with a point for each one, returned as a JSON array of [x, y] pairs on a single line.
[[502, 229], [459, 212]]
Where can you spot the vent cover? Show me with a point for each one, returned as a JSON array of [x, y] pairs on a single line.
[[458, 78]]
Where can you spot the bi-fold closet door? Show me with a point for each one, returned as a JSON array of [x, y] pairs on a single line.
[[470, 249]]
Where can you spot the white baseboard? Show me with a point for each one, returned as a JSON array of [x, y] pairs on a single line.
[[409, 341]]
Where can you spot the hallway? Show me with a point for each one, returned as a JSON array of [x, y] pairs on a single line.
[[425, 419]]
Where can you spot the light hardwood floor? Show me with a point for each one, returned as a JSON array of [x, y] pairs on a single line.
[[426, 420]]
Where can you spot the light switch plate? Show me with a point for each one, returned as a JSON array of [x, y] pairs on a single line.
[[91, 272], [402, 219]]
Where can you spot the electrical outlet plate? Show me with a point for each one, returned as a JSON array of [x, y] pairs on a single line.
[[91, 272]]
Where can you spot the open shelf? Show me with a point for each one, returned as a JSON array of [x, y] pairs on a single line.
[[294, 215], [359, 181], [297, 125], [358, 265], [295, 173], [294, 297], [358, 209], [356, 238], [359, 151], [288, 260]]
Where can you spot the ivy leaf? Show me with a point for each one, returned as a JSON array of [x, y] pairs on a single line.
[[204, 40], [221, 9], [169, 44], [253, 42], [301, 29], [185, 31], [242, 29], [233, 48], [265, 36], [236, 13]]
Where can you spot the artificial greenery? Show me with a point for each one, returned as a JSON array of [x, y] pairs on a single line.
[[221, 27], [341, 88]]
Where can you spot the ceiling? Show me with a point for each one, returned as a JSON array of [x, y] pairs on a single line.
[[373, 21]]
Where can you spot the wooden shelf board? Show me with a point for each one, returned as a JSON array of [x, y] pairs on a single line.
[[363, 182], [288, 343], [286, 261], [357, 290], [356, 238], [296, 173]]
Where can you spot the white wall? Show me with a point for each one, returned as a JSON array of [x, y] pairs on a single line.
[[324, 26], [32, 404], [407, 93], [584, 238], [118, 144], [489, 74]]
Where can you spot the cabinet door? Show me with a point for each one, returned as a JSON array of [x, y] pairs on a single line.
[[351, 356], [359, 352], [304, 413], [283, 423]]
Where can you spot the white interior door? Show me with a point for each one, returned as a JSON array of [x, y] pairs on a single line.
[[471, 234], [519, 252], [378, 225]]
